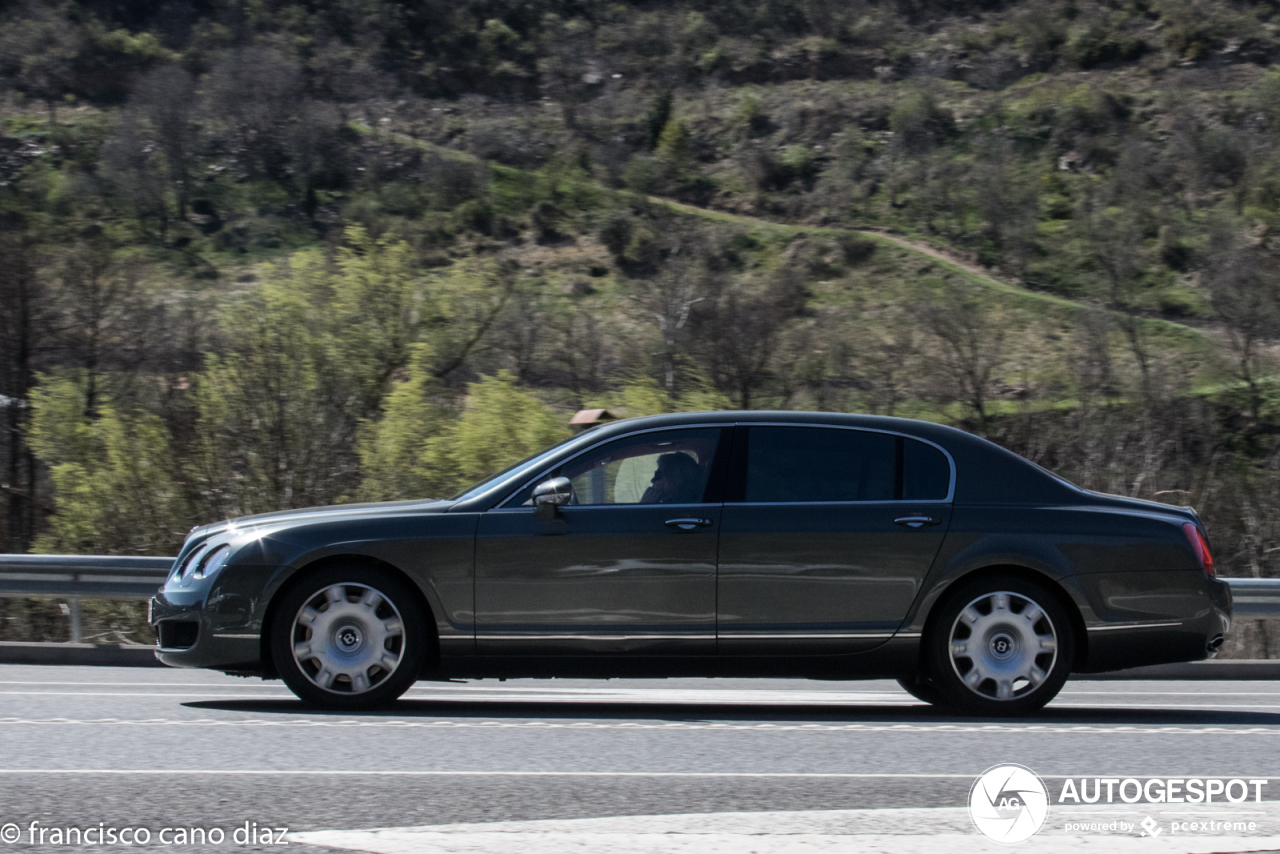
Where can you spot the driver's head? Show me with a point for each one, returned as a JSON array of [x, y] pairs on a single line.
[[676, 478]]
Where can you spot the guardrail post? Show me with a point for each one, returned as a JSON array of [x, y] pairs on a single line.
[[73, 606]]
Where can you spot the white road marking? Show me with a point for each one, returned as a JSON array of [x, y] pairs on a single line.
[[471, 688], [267, 772], [284, 695], [890, 831], [669, 726], [157, 684], [1215, 693], [326, 772], [1211, 704]]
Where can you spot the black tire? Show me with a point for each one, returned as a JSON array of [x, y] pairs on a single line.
[[367, 633], [923, 690], [1021, 659]]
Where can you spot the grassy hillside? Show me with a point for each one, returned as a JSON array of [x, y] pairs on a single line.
[[256, 255]]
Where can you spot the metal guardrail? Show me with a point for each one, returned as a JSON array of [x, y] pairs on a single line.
[[83, 576], [74, 577], [111, 577], [1255, 598], [77, 577]]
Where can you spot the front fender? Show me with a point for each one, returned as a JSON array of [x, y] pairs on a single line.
[[435, 552]]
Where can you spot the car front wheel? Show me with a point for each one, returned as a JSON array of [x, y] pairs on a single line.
[[922, 689], [1000, 646], [349, 638]]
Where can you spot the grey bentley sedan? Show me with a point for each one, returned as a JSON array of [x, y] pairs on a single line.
[[770, 544]]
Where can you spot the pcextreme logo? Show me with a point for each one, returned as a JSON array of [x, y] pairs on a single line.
[[1008, 804]]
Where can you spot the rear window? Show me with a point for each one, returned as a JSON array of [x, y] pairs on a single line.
[[926, 472]]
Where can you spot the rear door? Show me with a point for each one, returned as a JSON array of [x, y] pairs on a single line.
[[826, 537]]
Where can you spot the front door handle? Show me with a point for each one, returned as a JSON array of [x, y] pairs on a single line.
[[916, 521], [688, 523]]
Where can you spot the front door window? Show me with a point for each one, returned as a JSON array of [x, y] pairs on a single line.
[[663, 467]]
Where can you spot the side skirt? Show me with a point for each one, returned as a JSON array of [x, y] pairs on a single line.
[[893, 659]]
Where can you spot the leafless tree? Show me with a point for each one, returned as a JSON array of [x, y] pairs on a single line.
[[1008, 203], [27, 320], [669, 298], [475, 315], [1114, 237], [106, 315], [43, 44], [130, 157], [739, 325], [570, 71], [886, 359], [255, 93], [521, 330], [581, 348], [167, 97], [1244, 285], [970, 345], [1091, 365]]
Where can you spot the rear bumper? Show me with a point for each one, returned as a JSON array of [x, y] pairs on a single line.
[[1156, 639]]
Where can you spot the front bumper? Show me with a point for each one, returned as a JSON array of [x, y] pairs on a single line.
[[215, 623]]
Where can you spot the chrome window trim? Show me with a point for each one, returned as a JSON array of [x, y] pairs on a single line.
[[1114, 627], [502, 505], [507, 636], [744, 635], [894, 501], [951, 486], [603, 506]]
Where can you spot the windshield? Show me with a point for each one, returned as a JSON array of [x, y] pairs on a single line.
[[516, 471]]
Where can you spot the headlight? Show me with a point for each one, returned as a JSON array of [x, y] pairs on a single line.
[[213, 562], [189, 565]]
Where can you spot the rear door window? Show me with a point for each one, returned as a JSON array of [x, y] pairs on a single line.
[[802, 464]]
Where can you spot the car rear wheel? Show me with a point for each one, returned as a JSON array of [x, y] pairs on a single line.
[[349, 638], [1000, 646]]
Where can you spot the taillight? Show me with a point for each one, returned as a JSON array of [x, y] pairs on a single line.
[[1200, 546]]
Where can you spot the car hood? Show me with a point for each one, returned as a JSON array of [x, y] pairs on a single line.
[[331, 512]]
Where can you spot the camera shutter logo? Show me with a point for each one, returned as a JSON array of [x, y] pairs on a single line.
[[1008, 804]]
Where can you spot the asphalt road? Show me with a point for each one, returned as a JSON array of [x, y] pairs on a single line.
[[185, 749]]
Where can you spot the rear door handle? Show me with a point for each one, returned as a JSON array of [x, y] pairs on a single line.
[[688, 523], [916, 521]]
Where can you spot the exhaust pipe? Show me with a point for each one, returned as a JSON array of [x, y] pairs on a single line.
[[1213, 645]]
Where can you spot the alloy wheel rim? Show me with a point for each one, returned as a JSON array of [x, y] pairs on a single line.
[[348, 638], [1002, 645]]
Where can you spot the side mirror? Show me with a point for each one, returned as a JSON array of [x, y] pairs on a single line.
[[549, 496]]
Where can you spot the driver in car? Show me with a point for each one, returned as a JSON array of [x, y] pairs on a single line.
[[677, 480]]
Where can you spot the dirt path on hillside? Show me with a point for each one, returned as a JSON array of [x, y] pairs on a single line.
[[938, 255]]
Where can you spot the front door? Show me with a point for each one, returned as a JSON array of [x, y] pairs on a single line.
[[826, 538], [629, 565]]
